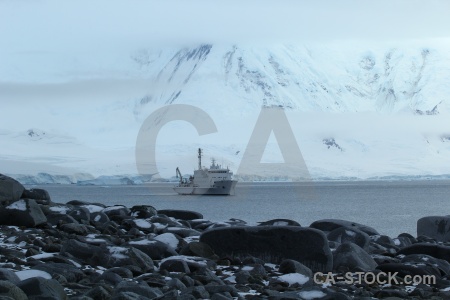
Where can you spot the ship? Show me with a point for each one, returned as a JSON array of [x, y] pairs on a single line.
[[213, 181]]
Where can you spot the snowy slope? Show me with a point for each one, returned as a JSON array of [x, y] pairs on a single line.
[[356, 110]]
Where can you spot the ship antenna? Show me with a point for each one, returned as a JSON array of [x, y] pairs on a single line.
[[199, 158]]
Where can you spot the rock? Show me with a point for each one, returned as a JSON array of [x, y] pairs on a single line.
[[181, 214], [292, 266], [57, 218], [9, 289], [116, 210], [154, 249], [139, 289], [115, 256], [407, 269], [8, 275], [81, 214], [99, 218], [199, 292], [198, 249], [391, 293], [40, 288], [272, 244], [279, 222], [349, 234], [70, 272], [442, 265], [41, 196], [175, 265], [143, 211], [331, 224], [10, 190], [78, 229], [23, 212], [98, 293], [88, 253], [434, 227], [437, 251], [349, 256]]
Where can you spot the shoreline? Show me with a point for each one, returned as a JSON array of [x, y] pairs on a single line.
[[85, 250]]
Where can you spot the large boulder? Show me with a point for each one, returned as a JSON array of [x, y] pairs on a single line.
[[10, 189], [272, 244], [331, 224], [349, 234], [41, 288], [434, 227], [39, 195], [437, 251], [181, 214], [23, 212], [350, 256], [9, 290]]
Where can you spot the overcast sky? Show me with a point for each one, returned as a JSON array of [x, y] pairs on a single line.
[[79, 25]]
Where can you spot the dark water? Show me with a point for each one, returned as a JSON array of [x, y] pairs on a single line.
[[389, 207]]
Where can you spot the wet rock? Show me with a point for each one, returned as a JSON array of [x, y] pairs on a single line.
[[143, 211], [175, 265], [272, 244], [329, 225], [57, 218], [69, 271], [437, 251], [8, 275], [198, 249], [154, 249], [10, 190], [88, 253], [115, 256], [41, 196], [349, 234], [138, 289], [291, 266], [9, 290], [435, 227], [349, 256], [23, 212], [40, 288], [181, 214], [279, 222]]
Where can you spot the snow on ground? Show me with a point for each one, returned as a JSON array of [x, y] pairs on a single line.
[[33, 273]]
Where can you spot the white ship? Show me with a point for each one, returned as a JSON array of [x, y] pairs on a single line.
[[213, 181]]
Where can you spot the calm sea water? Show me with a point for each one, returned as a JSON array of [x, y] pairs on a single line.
[[389, 207]]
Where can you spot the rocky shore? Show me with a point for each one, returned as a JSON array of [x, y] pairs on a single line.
[[81, 250]]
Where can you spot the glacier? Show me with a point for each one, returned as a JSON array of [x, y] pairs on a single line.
[[358, 111]]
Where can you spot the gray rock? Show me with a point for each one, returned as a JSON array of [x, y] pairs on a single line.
[[442, 265], [115, 256], [57, 218], [198, 249], [349, 234], [331, 224], [23, 212], [292, 266], [437, 251], [272, 244], [435, 227], [279, 222], [70, 272], [41, 288], [199, 292], [99, 218], [90, 254], [181, 214], [409, 269], [143, 211], [349, 256], [175, 265], [41, 196], [81, 214], [9, 289], [98, 293], [71, 228], [139, 289], [8, 275], [10, 189], [155, 249]]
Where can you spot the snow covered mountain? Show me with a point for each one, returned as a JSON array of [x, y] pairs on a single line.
[[356, 110]]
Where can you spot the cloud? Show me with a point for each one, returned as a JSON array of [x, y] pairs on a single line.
[[78, 25]]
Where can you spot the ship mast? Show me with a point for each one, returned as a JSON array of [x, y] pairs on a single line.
[[199, 158]]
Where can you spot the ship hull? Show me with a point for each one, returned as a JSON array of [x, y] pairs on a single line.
[[224, 187]]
